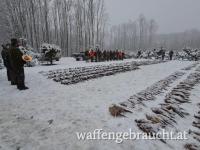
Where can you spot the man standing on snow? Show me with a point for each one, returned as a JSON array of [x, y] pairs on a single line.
[[171, 53], [163, 54], [17, 64], [139, 53], [6, 60]]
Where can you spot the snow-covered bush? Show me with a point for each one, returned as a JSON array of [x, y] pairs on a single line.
[[50, 52], [50, 46], [181, 55], [34, 55], [192, 54]]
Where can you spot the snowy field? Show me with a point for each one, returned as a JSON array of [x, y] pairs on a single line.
[[48, 115]]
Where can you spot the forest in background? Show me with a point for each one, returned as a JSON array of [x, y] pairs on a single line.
[[77, 25], [74, 25]]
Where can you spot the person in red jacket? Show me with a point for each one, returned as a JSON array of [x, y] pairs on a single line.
[[120, 55], [91, 54]]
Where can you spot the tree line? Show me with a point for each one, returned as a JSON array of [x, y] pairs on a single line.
[[77, 25], [74, 25], [142, 34], [134, 35], [178, 41]]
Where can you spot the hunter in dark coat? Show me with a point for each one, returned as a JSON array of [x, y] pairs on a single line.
[[104, 55], [163, 54], [17, 64], [171, 53], [108, 55], [139, 53], [6, 60], [98, 55]]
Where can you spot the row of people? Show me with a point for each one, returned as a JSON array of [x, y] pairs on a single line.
[[12, 58], [99, 56]]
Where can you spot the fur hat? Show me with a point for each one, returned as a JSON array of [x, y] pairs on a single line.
[[14, 42]]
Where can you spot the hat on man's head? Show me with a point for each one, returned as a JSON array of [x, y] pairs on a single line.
[[14, 42]]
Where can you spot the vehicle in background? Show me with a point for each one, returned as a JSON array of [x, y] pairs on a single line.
[[79, 56]]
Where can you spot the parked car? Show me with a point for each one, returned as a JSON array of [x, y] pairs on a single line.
[[79, 56]]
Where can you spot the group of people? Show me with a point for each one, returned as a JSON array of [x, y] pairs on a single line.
[[156, 53], [99, 56], [163, 54], [14, 63]]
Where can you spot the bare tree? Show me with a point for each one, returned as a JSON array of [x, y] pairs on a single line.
[[74, 25]]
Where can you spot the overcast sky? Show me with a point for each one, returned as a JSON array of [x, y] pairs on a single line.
[[171, 15]]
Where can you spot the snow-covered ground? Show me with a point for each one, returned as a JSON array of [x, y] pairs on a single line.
[[48, 115]]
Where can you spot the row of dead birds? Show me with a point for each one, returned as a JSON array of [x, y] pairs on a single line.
[[195, 133], [181, 93], [95, 73], [165, 115], [150, 93], [56, 73], [79, 74], [162, 117]]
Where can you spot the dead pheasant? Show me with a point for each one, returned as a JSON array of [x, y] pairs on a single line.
[[153, 119], [148, 129], [195, 124], [194, 132], [191, 147], [161, 112], [197, 117], [140, 121], [117, 111]]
